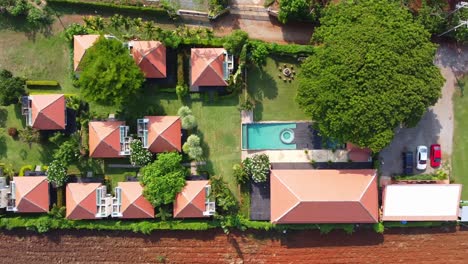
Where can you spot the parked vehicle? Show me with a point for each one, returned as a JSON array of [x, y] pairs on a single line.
[[435, 155], [421, 156], [408, 163]]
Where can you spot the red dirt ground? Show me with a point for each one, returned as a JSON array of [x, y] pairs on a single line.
[[403, 246]]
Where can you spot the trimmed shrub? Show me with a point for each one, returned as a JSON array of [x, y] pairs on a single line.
[[379, 227], [24, 169], [41, 83], [13, 132]]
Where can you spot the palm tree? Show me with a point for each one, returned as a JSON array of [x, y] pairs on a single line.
[[116, 21], [149, 29], [126, 22]]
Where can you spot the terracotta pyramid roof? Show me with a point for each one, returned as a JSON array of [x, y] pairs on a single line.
[[207, 67], [150, 57], [104, 139], [81, 200], [190, 202], [164, 133], [80, 44], [48, 111], [32, 194], [134, 204], [324, 196]]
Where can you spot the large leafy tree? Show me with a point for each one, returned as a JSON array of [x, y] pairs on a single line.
[[163, 179], [109, 76], [372, 71], [11, 88], [294, 10]]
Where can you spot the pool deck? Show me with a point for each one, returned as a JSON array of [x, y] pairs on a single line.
[[318, 155]]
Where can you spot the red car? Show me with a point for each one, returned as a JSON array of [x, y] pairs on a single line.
[[436, 155]]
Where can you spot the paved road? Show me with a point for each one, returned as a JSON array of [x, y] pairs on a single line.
[[437, 125]]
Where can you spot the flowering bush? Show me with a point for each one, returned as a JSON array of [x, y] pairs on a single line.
[[139, 156], [57, 173], [258, 167]]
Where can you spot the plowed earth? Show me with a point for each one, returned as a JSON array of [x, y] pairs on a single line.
[[397, 246]]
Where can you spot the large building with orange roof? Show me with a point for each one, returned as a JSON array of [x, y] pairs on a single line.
[[324, 196], [150, 56], [108, 139], [210, 67], [29, 194], [193, 201], [130, 203], [45, 111], [161, 133], [80, 44], [87, 201]]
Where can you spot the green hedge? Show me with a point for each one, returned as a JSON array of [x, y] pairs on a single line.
[[137, 10], [42, 84], [25, 168], [417, 224]]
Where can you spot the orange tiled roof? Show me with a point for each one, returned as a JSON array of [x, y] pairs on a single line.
[[104, 139], [358, 154], [48, 111], [164, 133], [80, 44], [190, 202], [150, 57], [32, 194], [324, 196], [81, 200], [134, 204], [207, 67]]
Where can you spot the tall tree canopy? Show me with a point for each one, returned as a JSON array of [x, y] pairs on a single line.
[[372, 71], [109, 76], [163, 178], [294, 10], [11, 88]]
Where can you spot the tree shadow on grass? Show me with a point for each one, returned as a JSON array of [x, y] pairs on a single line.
[[19, 24], [262, 83], [3, 147]]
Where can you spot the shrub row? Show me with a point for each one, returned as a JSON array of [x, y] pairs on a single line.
[[24, 169], [137, 10], [42, 84]]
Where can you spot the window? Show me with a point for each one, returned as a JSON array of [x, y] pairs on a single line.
[[142, 125]]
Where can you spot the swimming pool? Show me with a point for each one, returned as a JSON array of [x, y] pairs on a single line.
[[258, 136]]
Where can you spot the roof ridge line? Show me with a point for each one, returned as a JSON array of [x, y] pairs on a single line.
[[49, 105], [141, 209], [367, 187], [35, 186], [209, 65], [79, 204], [160, 134]]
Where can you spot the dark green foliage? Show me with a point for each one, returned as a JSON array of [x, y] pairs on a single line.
[[239, 173], [75, 29], [294, 10], [68, 150], [163, 178], [11, 88], [102, 6], [259, 52], [29, 135], [109, 76], [432, 16], [57, 212], [226, 203], [235, 41], [35, 16], [217, 6], [372, 72], [461, 34]]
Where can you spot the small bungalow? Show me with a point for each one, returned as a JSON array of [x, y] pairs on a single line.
[[160, 133], [87, 201], [108, 139], [210, 67], [193, 201], [29, 195], [150, 56], [80, 44], [45, 111], [130, 203], [324, 196], [421, 202]]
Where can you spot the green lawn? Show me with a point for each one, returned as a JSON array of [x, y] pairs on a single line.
[[15, 152], [275, 97], [218, 126], [460, 138]]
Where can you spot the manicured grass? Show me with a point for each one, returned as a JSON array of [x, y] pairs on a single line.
[[274, 97], [15, 152], [460, 138]]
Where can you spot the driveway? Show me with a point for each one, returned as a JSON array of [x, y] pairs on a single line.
[[437, 124]]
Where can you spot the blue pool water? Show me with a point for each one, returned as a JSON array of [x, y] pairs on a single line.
[[265, 136]]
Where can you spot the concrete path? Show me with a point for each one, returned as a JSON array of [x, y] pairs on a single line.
[[437, 124]]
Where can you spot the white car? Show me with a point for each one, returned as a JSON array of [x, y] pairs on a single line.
[[421, 158]]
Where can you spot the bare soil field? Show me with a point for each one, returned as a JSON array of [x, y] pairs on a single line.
[[365, 246]]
